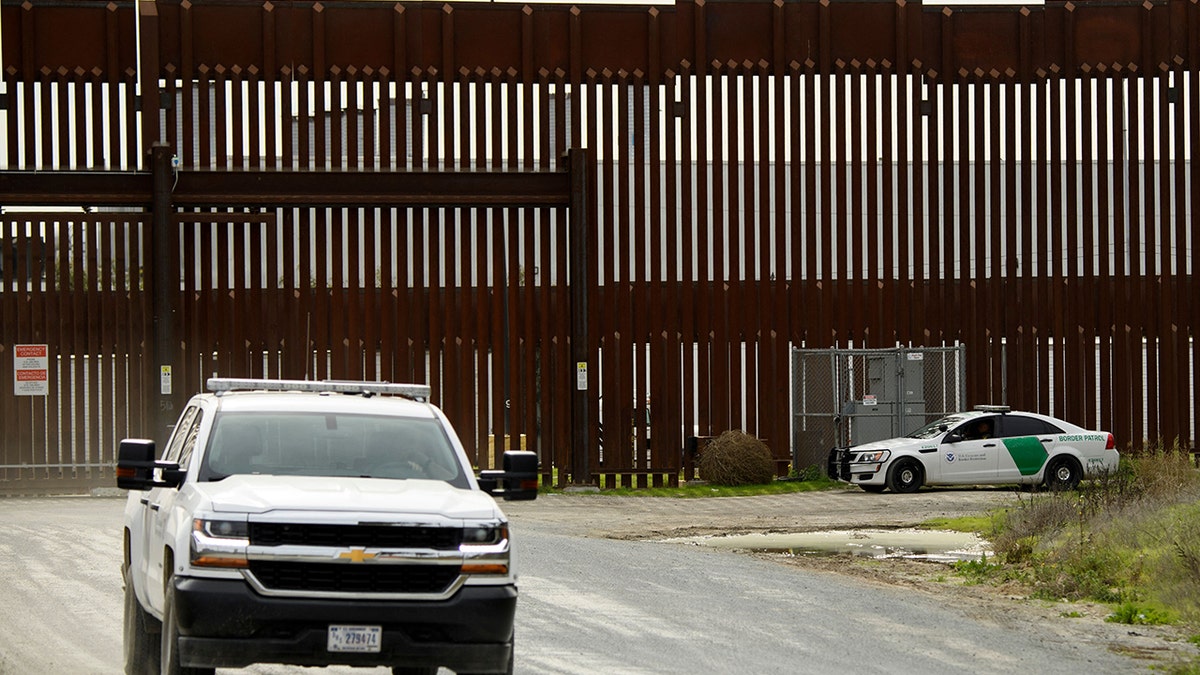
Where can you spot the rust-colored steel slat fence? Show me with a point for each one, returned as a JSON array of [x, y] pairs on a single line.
[[68, 284], [764, 176]]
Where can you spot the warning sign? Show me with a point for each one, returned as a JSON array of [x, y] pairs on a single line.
[[31, 373]]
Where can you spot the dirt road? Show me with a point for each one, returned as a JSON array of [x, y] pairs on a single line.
[[663, 518]]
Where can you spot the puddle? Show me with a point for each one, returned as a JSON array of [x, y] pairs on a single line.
[[933, 545]]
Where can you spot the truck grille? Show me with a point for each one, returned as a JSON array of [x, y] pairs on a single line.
[[344, 536], [351, 578]]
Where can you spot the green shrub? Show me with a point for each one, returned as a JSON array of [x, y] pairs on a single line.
[[736, 458], [809, 473], [976, 571], [1140, 614]]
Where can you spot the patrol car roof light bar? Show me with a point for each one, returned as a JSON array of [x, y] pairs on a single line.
[[993, 408], [418, 392]]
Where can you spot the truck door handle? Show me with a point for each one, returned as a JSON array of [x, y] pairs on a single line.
[[989, 445], [154, 507], [145, 501], [1047, 440]]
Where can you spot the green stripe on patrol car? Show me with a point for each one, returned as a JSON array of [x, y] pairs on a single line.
[[1027, 453]]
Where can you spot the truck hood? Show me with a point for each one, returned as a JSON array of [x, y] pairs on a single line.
[[252, 494]]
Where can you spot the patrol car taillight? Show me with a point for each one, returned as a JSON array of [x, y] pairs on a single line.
[[1111, 444]]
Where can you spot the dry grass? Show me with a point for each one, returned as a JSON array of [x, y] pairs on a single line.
[[1131, 538], [737, 458]]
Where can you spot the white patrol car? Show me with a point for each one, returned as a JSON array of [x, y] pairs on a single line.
[[988, 445], [317, 523]]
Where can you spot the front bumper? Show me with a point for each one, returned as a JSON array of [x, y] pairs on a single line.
[[840, 468], [224, 623]]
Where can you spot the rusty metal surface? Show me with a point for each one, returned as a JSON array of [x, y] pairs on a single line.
[[280, 40], [892, 206]]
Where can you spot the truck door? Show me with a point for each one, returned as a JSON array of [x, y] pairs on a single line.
[[158, 502]]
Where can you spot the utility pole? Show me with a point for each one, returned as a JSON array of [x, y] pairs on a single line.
[[160, 406], [580, 279]]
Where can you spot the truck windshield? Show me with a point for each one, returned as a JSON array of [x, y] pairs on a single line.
[[316, 444]]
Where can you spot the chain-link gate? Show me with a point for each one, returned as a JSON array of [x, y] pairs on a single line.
[[850, 396]]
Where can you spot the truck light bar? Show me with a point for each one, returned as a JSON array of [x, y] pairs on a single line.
[[417, 392]]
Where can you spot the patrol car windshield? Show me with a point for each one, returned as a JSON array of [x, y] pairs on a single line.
[[324, 444], [935, 429]]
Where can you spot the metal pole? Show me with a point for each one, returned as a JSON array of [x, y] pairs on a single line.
[[580, 279], [160, 406]]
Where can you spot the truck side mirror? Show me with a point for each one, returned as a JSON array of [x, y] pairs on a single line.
[[517, 482], [136, 465]]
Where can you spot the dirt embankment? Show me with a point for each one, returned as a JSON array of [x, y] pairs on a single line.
[[661, 518]]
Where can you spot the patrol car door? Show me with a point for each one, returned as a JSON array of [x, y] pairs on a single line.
[[1028, 442], [967, 456]]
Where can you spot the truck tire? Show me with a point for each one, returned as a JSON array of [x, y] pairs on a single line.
[[140, 647], [170, 642]]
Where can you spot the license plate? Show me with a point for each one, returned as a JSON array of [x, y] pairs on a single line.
[[354, 638]]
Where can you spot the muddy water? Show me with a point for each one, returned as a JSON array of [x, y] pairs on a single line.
[[934, 545]]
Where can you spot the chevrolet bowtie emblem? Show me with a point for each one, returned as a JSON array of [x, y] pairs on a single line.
[[356, 555]]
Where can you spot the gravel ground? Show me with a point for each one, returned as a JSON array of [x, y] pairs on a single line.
[[657, 518]]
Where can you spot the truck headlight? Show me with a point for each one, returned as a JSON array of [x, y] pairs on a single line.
[[476, 536], [485, 550], [224, 529], [220, 543]]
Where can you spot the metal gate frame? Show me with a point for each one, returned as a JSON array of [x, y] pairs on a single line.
[[840, 398]]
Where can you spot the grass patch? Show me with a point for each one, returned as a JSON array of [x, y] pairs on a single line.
[[977, 571], [692, 491], [1130, 539], [1138, 614], [986, 525]]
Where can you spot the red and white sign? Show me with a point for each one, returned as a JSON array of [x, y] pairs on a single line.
[[31, 375]]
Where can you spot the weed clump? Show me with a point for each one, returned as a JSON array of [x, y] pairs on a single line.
[[736, 458], [1130, 538]]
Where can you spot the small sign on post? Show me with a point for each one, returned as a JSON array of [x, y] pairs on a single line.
[[31, 375]]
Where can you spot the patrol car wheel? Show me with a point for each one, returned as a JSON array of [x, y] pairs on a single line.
[[1063, 474], [905, 476]]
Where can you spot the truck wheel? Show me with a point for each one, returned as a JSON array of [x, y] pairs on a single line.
[[1062, 474], [170, 642], [141, 651], [905, 476]]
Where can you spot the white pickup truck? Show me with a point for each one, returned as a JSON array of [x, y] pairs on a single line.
[[317, 523]]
